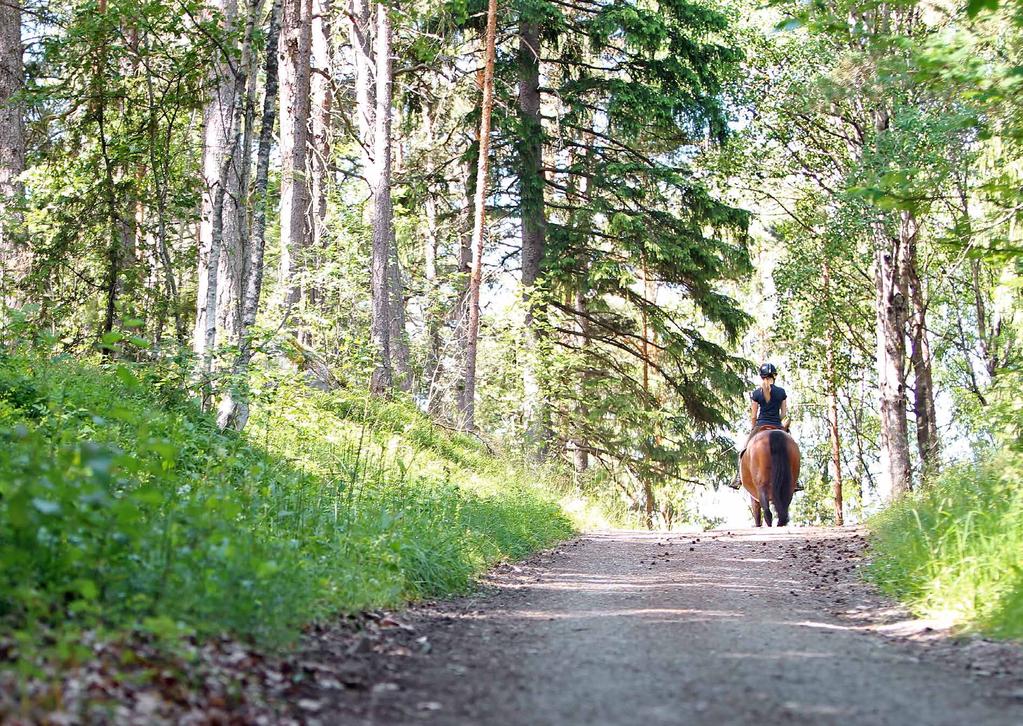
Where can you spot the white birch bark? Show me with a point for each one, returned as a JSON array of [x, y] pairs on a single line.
[[221, 195], [233, 411], [382, 210]]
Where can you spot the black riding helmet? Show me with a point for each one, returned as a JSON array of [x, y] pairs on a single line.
[[768, 370]]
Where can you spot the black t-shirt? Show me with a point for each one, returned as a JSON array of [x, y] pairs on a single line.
[[770, 411]]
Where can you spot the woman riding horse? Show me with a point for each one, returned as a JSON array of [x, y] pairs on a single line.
[[769, 463]]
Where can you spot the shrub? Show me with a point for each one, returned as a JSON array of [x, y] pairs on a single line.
[[122, 506], [955, 549]]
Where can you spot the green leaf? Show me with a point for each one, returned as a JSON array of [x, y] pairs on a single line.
[[975, 7], [125, 376], [87, 589]]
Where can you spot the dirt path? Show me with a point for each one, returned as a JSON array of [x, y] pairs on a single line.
[[751, 627]]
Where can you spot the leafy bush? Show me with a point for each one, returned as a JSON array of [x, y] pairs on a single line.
[[122, 506], [956, 548]]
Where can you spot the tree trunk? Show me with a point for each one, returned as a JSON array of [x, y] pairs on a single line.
[[479, 222], [832, 387], [233, 411], [928, 443], [534, 229], [891, 350], [580, 453], [401, 356], [15, 257], [460, 311], [649, 504], [432, 372], [382, 210], [234, 213], [296, 230], [361, 36], [322, 106], [221, 194]]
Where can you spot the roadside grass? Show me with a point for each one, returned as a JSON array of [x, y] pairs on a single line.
[[124, 509], [955, 549]]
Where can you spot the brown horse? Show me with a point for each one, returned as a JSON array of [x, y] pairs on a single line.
[[769, 471]]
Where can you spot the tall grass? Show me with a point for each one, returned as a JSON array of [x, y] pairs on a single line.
[[955, 550], [122, 506]]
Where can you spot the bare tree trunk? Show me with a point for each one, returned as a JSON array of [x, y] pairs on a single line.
[[534, 228], [322, 106], [460, 311], [361, 36], [479, 221], [296, 230], [233, 411], [649, 504], [401, 356], [382, 210], [891, 350], [928, 442], [15, 256], [432, 371], [233, 253], [832, 387], [580, 454], [221, 194]]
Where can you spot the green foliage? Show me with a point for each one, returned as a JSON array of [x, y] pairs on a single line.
[[953, 550], [122, 506]]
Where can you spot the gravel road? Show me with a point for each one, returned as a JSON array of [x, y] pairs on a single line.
[[748, 626]]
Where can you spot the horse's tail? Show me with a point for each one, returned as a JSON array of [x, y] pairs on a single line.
[[781, 475]]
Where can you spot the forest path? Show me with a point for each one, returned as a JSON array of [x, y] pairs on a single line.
[[746, 626]]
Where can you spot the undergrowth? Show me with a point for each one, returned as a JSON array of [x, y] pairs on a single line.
[[955, 549], [122, 507]]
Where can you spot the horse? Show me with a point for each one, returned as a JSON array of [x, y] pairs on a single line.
[[769, 471]]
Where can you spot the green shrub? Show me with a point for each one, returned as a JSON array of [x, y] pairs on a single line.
[[122, 506], [955, 550]]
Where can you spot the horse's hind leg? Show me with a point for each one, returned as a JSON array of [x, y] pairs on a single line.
[[765, 504], [758, 519]]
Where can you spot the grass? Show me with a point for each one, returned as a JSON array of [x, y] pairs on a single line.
[[955, 550], [122, 507]]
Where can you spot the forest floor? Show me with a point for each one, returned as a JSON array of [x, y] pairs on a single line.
[[727, 627]]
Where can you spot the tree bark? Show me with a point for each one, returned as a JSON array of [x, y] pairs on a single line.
[[460, 311], [321, 126], [433, 371], [534, 229], [221, 192], [233, 411], [382, 211], [296, 228], [15, 256], [928, 442], [401, 356], [832, 388], [479, 222], [891, 350], [234, 211]]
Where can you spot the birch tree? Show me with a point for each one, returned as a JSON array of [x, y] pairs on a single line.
[[296, 220], [15, 258], [220, 211]]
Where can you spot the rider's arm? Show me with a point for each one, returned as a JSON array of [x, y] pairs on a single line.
[[784, 412], [754, 411]]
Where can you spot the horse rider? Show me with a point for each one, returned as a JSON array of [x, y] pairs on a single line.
[[769, 409]]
